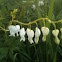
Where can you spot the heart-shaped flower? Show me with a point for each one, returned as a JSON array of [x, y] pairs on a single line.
[[30, 34], [55, 32], [12, 30], [45, 32], [17, 29], [22, 34], [37, 34]]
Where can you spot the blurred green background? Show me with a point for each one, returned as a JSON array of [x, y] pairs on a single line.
[[11, 49]]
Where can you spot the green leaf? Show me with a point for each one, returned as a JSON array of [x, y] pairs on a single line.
[[25, 55], [3, 52], [2, 1], [59, 16], [50, 13], [60, 50]]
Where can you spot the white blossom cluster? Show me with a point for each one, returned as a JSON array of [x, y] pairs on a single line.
[[40, 3], [30, 33]]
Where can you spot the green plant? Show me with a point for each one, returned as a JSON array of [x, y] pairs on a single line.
[[11, 49]]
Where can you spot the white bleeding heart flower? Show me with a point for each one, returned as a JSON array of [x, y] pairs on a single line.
[[40, 3], [37, 34], [33, 7], [12, 30], [45, 32], [30, 34], [55, 32], [17, 27], [22, 34]]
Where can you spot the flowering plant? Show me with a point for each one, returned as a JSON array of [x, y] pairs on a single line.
[[31, 32]]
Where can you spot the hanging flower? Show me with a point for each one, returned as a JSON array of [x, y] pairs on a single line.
[[45, 32], [22, 34], [55, 33], [17, 29], [37, 34], [33, 7], [40, 3], [12, 30], [30, 34]]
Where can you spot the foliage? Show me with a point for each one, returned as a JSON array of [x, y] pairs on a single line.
[[11, 49]]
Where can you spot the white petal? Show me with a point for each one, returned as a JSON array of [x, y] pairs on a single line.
[[55, 32], [22, 32], [30, 40], [22, 38], [12, 34], [57, 41], [30, 33], [37, 32], [18, 27], [44, 38], [36, 40], [45, 31], [33, 7], [40, 3]]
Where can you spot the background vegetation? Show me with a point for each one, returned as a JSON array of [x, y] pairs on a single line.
[[12, 50]]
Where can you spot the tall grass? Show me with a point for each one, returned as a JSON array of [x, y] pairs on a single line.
[[12, 50]]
